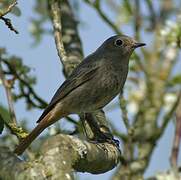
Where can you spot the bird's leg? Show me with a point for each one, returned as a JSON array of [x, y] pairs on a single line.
[[101, 132]]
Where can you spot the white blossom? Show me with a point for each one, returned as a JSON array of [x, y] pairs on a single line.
[[170, 54], [171, 24], [169, 99], [132, 107], [165, 31], [136, 96]]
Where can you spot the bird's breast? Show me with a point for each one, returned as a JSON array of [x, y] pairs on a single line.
[[96, 93], [105, 89]]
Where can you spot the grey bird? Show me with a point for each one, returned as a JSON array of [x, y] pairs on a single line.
[[93, 84]]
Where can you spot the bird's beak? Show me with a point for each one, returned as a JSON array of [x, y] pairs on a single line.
[[136, 45]]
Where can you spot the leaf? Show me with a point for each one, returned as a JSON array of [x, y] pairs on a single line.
[[16, 11], [176, 80]]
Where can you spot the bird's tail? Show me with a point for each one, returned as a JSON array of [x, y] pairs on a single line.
[[29, 139]]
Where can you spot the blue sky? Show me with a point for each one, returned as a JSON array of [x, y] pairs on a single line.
[[46, 66]]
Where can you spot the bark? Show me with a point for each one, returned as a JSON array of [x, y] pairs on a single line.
[[60, 156]]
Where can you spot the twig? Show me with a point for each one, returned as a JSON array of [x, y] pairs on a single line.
[[56, 18], [42, 103], [177, 138], [130, 131], [8, 94], [118, 134], [141, 65], [137, 23], [10, 7], [7, 21], [124, 111], [96, 5], [153, 17], [170, 113], [12, 124], [128, 6]]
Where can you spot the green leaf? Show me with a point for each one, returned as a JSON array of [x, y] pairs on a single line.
[[176, 80], [16, 11]]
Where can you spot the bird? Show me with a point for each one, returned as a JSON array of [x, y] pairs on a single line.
[[91, 86]]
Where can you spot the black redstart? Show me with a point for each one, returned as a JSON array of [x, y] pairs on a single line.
[[92, 85]]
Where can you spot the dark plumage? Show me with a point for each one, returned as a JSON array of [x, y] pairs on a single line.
[[92, 85]]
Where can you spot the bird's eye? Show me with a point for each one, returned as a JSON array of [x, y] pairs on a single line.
[[118, 42]]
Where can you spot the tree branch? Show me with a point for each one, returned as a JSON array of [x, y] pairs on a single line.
[[26, 85], [177, 138], [167, 116], [10, 7], [7, 87], [105, 18], [59, 156], [56, 19], [12, 125], [6, 20], [153, 16]]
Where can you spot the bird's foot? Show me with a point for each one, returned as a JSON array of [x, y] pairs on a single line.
[[107, 137]]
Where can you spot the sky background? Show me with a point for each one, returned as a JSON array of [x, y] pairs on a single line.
[[46, 66]]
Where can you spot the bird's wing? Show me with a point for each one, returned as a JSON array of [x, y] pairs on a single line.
[[78, 77]]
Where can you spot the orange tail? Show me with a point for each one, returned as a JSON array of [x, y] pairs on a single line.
[[29, 139]]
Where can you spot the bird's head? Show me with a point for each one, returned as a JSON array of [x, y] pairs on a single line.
[[120, 45]]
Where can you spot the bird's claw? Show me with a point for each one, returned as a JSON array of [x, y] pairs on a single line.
[[105, 137]]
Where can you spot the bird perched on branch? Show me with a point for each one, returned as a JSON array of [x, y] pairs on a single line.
[[93, 84]]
